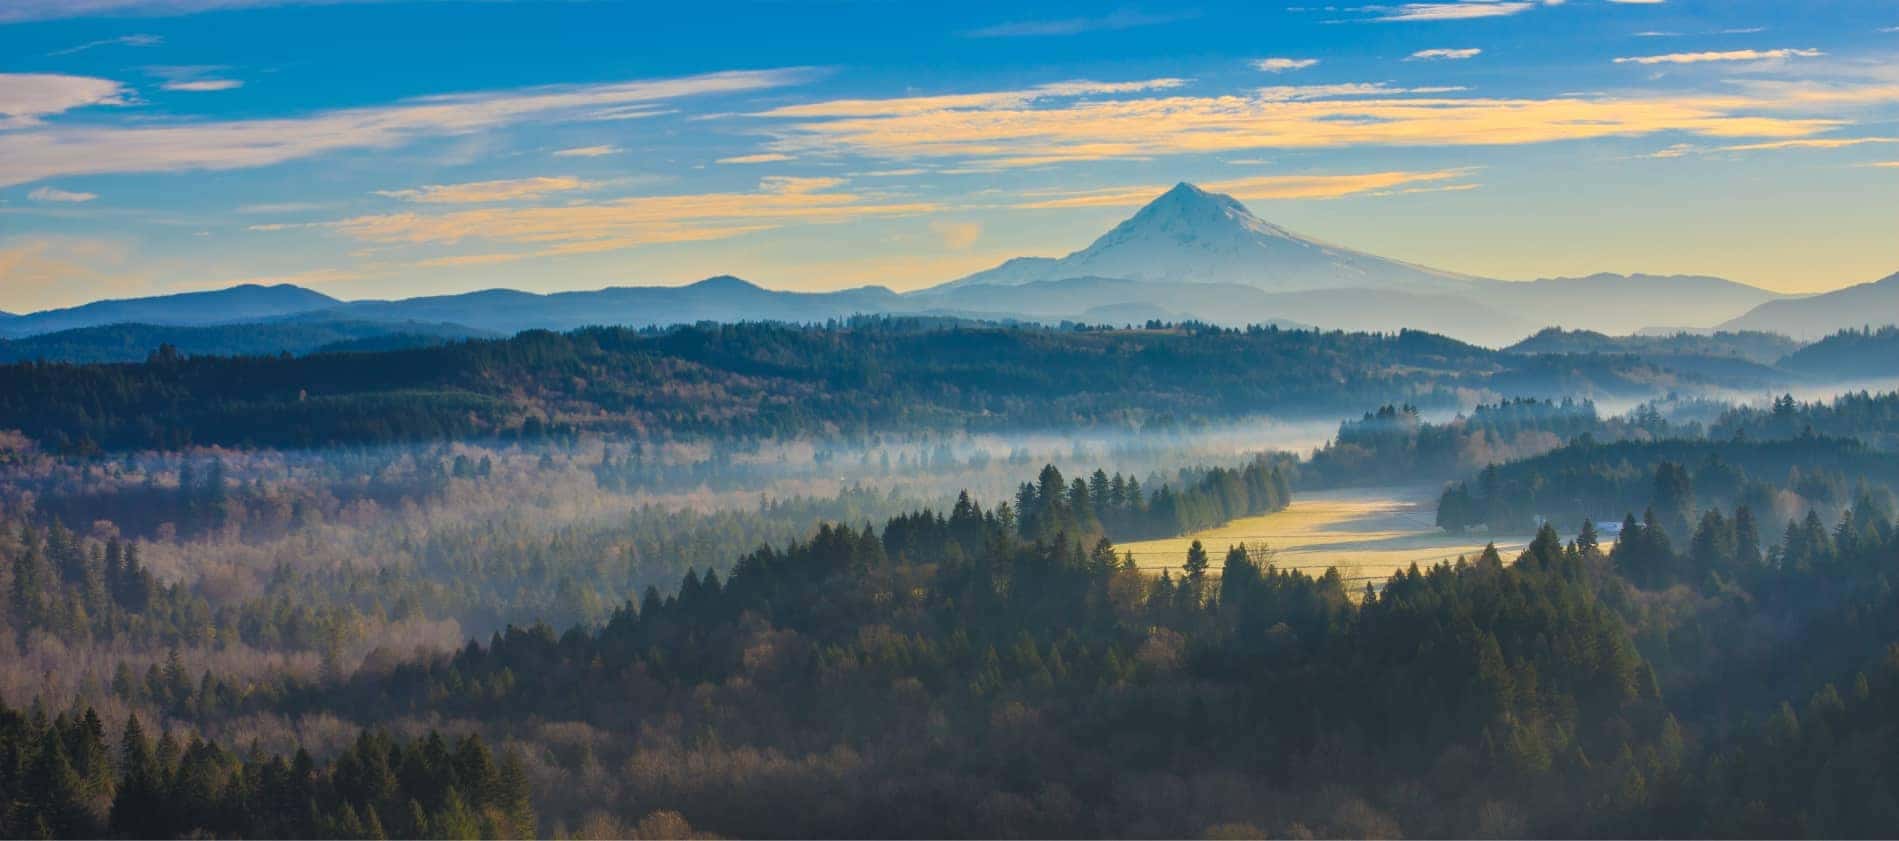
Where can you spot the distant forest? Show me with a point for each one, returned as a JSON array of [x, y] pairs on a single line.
[[846, 381]]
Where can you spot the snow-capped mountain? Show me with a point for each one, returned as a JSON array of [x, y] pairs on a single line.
[[1189, 241], [1189, 235]]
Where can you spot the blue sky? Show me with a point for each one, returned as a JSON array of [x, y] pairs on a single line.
[[386, 149]]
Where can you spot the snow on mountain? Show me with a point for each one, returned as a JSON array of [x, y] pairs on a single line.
[[1189, 235]]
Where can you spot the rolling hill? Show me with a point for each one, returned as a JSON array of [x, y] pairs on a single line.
[[249, 302], [1873, 304], [721, 298]]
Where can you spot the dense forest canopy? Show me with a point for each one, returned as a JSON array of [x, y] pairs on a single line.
[[842, 380], [949, 675], [761, 580]]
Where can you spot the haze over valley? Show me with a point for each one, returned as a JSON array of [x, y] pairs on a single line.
[[456, 419]]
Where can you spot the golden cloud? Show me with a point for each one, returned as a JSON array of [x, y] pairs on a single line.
[[624, 223], [1022, 128]]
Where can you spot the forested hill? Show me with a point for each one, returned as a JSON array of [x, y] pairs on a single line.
[[772, 380]]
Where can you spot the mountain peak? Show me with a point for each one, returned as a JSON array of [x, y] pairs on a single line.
[[725, 283], [1190, 235]]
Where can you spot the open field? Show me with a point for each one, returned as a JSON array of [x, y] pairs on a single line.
[[1368, 533]]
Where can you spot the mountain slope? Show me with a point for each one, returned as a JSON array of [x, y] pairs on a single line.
[[249, 302], [1188, 235], [1620, 304], [1873, 304], [714, 299]]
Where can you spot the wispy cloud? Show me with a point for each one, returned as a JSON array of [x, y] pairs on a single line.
[[1810, 143], [282, 207], [1458, 10], [140, 40], [1293, 93], [26, 98], [54, 150], [19, 11], [1028, 127], [203, 85], [1445, 54], [486, 192], [1123, 19], [1280, 65], [193, 78], [1720, 55], [968, 101], [761, 158], [1257, 188], [957, 236], [621, 223], [56, 194], [588, 152]]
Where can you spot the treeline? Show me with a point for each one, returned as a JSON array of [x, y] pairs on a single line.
[[1603, 481], [1584, 689], [65, 778], [1119, 508], [1859, 354], [1871, 418], [139, 342], [1058, 688], [845, 380], [1396, 444]]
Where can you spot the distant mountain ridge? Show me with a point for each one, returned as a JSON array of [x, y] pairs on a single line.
[[722, 298], [1189, 236], [1187, 255], [1874, 304], [247, 302], [1616, 303]]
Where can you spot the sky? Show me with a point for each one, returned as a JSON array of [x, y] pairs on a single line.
[[385, 149]]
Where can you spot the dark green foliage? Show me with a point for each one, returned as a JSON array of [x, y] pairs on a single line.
[[1849, 354], [1592, 480], [59, 779], [846, 380]]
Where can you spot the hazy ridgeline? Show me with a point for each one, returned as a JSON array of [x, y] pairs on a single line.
[[774, 616]]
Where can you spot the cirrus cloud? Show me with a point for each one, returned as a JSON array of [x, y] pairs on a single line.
[[485, 192], [58, 195], [51, 151], [1720, 55], [1281, 65], [26, 98], [592, 227], [1001, 129], [1445, 54]]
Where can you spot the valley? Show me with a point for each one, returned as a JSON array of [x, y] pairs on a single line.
[[1367, 534]]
